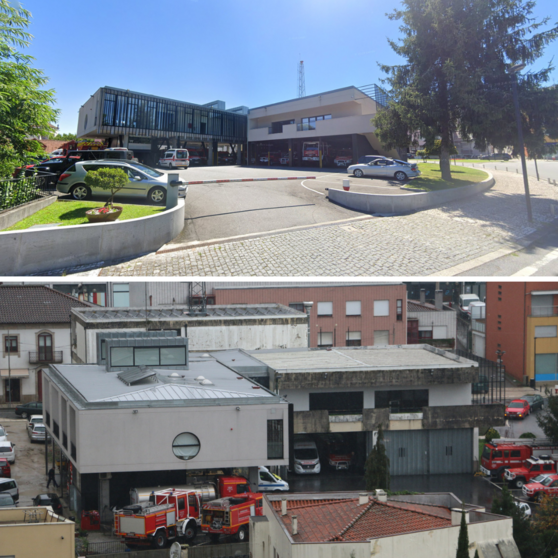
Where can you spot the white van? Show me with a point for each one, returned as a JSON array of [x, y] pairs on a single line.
[[175, 159], [271, 483], [464, 301], [10, 487], [306, 458]]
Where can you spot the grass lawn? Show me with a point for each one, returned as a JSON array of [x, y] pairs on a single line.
[[73, 213], [431, 177]]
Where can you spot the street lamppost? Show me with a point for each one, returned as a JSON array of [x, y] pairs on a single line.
[[534, 386], [514, 70]]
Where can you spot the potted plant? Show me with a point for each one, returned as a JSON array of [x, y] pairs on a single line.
[[106, 179]]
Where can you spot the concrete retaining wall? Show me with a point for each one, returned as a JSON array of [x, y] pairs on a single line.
[[403, 204], [40, 250], [10, 217]]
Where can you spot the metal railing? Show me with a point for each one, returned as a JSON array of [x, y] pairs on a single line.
[[86, 548], [40, 357], [305, 127], [541, 311], [17, 191], [478, 326]]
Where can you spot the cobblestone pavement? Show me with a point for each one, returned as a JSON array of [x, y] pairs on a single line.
[[421, 244]]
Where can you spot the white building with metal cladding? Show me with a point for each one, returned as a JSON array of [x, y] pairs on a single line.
[[422, 397], [153, 415], [250, 326]]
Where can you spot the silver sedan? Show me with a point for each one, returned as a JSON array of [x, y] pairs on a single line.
[[400, 170]]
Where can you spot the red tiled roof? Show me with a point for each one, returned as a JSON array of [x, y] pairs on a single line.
[[36, 304], [344, 520], [51, 145], [417, 306]]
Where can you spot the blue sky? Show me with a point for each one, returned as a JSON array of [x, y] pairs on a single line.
[[244, 52]]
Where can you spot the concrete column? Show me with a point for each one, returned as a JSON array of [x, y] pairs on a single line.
[[290, 152], [238, 153], [210, 154], [356, 154], [104, 495]]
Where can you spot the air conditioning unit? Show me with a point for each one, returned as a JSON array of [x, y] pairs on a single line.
[[105, 476]]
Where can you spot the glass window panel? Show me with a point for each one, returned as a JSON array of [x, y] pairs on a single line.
[[173, 355], [108, 109], [325, 339], [186, 446], [146, 356], [545, 331], [381, 308], [353, 308], [275, 439], [545, 364], [325, 308], [122, 356]]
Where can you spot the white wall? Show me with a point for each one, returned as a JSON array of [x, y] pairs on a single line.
[[430, 319], [92, 108]]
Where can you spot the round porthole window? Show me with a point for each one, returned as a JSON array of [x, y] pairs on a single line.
[[186, 446]]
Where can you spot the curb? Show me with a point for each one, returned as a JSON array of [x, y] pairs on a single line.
[[220, 181]]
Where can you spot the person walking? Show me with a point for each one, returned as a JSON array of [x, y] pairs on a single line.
[[52, 478]]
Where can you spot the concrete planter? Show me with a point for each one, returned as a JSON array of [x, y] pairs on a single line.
[[40, 250], [404, 204], [113, 215]]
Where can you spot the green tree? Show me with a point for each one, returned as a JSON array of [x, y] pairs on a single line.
[[463, 539], [25, 109], [435, 149], [65, 137], [107, 179], [455, 77], [376, 468], [548, 418]]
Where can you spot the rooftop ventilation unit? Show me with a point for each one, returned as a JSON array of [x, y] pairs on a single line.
[[206, 383]]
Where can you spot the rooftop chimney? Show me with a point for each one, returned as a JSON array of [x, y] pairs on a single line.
[[381, 495], [362, 499], [295, 525], [284, 506], [422, 296], [439, 299], [456, 514]]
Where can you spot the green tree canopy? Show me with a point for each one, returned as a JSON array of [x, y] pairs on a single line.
[[376, 473], [113, 179], [455, 76], [548, 419], [25, 109], [65, 137]]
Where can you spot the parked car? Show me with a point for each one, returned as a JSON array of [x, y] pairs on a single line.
[[175, 159], [10, 487], [496, 157], [35, 419], [536, 402], [6, 500], [518, 408], [27, 409], [365, 159], [144, 181], [388, 168], [537, 489], [37, 433], [464, 301], [5, 469], [3, 435], [306, 458], [7, 450], [49, 499], [270, 482]]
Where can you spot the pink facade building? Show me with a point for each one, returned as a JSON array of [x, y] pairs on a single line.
[[342, 314]]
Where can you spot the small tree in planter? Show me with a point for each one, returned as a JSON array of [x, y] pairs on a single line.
[[107, 179]]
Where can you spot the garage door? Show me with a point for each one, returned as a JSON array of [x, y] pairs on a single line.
[[424, 452]]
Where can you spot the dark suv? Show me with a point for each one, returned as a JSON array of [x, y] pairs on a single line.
[[496, 157]]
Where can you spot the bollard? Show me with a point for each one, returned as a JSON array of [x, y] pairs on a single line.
[[173, 182], [346, 184]]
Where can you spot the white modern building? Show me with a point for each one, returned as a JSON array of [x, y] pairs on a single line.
[[250, 326], [335, 124], [332, 524], [35, 328]]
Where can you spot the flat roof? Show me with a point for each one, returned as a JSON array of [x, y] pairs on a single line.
[[206, 380], [181, 312], [297, 284], [364, 358]]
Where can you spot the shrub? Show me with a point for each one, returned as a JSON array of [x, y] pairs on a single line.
[[491, 434], [528, 435]]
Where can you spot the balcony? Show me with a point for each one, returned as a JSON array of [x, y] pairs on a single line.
[[478, 325], [45, 357], [542, 311]]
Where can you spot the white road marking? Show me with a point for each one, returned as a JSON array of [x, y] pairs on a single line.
[[532, 269]]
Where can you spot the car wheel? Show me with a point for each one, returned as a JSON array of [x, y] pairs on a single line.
[[80, 192], [157, 195], [24, 414], [190, 531], [160, 539], [358, 173], [242, 534], [518, 483], [401, 176]]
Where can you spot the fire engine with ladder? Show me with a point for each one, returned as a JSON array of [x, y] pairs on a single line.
[[167, 515]]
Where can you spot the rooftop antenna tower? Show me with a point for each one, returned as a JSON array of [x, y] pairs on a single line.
[[197, 300], [301, 84]]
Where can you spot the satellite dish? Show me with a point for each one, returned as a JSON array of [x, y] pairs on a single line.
[[175, 550]]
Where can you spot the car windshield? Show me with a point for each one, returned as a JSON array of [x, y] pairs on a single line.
[[538, 478], [516, 405], [546, 481], [147, 170], [6, 500], [306, 453], [486, 453], [2, 431]]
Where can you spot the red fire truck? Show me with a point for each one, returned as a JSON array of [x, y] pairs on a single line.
[[531, 468], [507, 453], [230, 516], [167, 515]]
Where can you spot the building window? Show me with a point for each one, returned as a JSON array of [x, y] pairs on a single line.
[[275, 439], [338, 402], [297, 306], [545, 331], [11, 345], [399, 309], [402, 400], [45, 347], [353, 308], [546, 367], [425, 334], [353, 339], [381, 308], [381, 337], [55, 429], [325, 308], [402, 452], [325, 339], [121, 295], [147, 356], [186, 446]]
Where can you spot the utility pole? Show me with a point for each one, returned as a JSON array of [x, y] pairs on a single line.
[[9, 372], [301, 84]]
